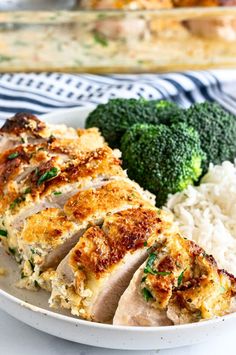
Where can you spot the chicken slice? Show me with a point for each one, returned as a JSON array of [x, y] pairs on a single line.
[[25, 128], [91, 279], [17, 163], [41, 234], [46, 238], [134, 311], [20, 159], [117, 195], [21, 127], [179, 283], [52, 184]]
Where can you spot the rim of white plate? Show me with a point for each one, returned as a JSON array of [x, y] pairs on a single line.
[[131, 329]]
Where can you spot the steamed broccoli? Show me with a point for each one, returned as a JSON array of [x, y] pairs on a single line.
[[115, 117], [162, 159], [217, 131]]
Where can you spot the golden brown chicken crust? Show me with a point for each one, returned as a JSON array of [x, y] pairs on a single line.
[[10, 168], [100, 249], [88, 165], [181, 277], [24, 123], [13, 161], [46, 227], [112, 196], [52, 174], [88, 140]]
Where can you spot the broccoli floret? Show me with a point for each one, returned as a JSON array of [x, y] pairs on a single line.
[[115, 117], [167, 112], [217, 131], [162, 159]]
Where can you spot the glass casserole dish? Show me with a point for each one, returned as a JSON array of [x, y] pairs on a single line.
[[78, 39]]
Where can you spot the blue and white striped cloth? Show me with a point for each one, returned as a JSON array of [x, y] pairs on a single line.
[[41, 93]]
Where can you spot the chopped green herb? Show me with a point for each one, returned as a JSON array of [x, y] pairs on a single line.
[[3, 233], [12, 251], [12, 205], [27, 191], [36, 284], [145, 244], [146, 294], [163, 273], [100, 39], [180, 278], [198, 314], [22, 275], [101, 16], [149, 266], [57, 193], [22, 140], [20, 43], [36, 171], [144, 279], [41, 148], [13, 156], [5, 58], [31, 264], [152, 247], [48, 175], [33, 251], [17, 201]]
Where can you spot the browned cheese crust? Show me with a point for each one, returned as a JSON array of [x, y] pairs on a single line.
[[24, 123], [46, 227], [101, 248], [111, 196], [181, 278]]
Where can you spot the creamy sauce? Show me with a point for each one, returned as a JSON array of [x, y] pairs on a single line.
[[161, 44]]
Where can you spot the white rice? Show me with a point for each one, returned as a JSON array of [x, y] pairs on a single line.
[[207, 214]]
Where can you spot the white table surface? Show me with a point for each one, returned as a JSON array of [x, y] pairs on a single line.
[[17, 338]]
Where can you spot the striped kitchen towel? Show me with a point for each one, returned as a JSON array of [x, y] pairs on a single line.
[[41, 93]]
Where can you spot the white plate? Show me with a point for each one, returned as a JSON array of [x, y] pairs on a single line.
[[32, 308]]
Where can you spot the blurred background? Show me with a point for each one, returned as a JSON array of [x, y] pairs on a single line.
[[116, 36]]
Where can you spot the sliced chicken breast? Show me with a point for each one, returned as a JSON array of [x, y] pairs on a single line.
[[25, 128], [47, 236], [179, 283], [16, 164], [51, 184], [134, 311], [91, 279]]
